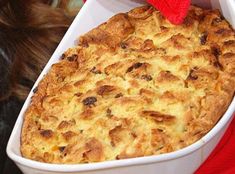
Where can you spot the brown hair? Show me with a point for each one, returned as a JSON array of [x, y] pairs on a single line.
[[30, 30]]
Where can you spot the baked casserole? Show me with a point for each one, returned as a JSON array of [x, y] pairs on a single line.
[[134, 86]]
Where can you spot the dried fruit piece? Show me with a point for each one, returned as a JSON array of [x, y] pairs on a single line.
[[61, 148], [134, 66], [89, 101], [95, 71], [147, 77], [72, 58], [203, 38]]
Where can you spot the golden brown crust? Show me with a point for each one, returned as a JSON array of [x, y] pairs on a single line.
[[134, 86]]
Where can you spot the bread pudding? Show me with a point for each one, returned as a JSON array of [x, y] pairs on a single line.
[[134, 86]]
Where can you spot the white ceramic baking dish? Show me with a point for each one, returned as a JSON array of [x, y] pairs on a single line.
[[183, 161]]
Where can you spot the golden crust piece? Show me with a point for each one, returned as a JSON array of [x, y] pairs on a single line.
[[134, 86]]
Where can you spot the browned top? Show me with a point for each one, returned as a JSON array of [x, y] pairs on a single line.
[[134, 86]]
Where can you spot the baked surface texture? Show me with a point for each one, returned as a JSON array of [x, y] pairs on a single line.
[[134, 86]]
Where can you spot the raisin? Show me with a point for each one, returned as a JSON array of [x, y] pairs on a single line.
[[118, 95], [35, 89], [188, 21], [192, 77], [123, 45], [160, 147], [147, 77], [95, 71], [62, 56], [137, 65], [133, 135], [134, 66], [201, 17], [220, 31], [61, 148], [218, 65], [89, 101], [109, 112], [229, 42], [203, 38], [72, 58], [129, 69], [163, 28], [215, 51]]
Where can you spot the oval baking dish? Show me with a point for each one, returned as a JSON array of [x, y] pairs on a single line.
[[186, 160]]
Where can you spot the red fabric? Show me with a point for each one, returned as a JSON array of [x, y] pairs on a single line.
[[174, 10], [222, 159]]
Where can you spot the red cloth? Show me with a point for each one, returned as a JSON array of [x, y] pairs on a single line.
[[174, 10], [222, 159]]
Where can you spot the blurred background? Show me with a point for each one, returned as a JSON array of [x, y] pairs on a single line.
[[30, 31]]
